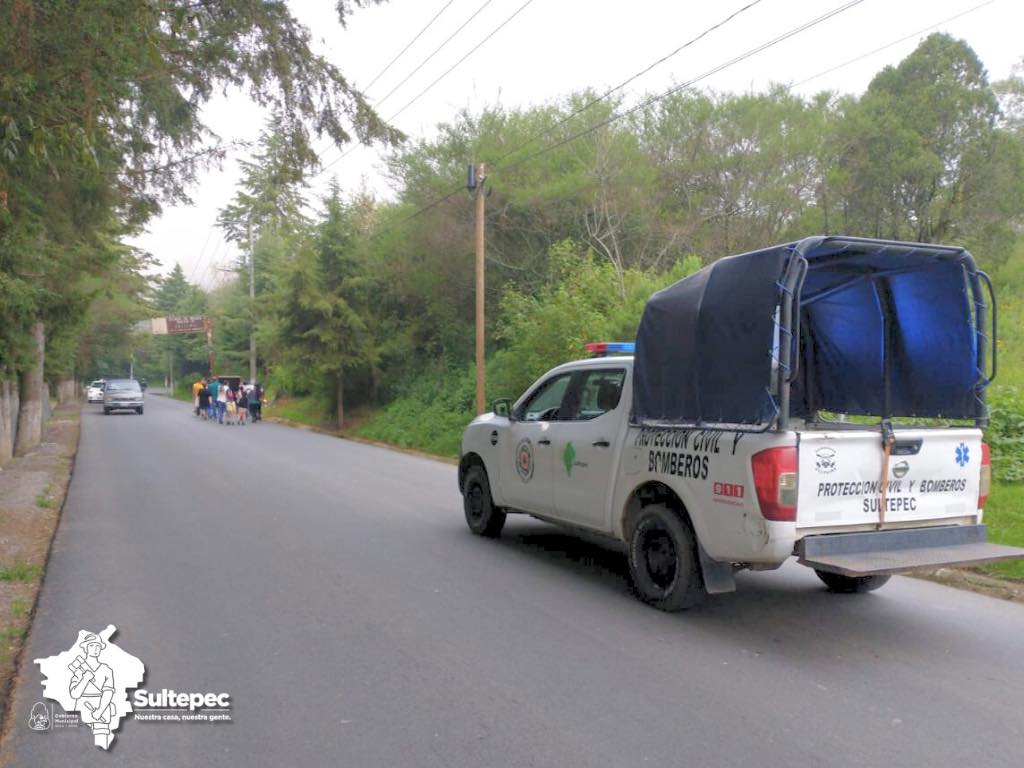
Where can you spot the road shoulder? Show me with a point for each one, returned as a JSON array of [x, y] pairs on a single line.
[[32, 493]]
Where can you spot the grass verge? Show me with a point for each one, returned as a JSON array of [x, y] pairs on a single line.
[[1004, 516]]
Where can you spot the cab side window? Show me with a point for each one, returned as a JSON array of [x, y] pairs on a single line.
[[545, 403], [600, 392]]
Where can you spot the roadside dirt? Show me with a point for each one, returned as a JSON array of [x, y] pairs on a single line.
[[975, 582], [32, 492]]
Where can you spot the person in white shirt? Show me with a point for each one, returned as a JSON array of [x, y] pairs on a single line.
[[222, 402]]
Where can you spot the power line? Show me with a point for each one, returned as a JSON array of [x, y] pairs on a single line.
[[675, 89], [890, 45], [408, 45], [443, 75], [647, 102], [202, 252], [212, 264], [418, 67], [629, 80], [434, 53], [469, 53]]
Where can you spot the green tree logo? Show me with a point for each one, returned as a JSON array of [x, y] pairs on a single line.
[[568, 457]]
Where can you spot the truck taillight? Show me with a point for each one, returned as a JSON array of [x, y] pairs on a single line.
[[775, 480], [986, 476]]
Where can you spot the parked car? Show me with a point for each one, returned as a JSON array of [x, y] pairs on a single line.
[[123, 395], [94, 392]]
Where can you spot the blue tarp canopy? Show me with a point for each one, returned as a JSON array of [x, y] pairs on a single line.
[[877, 328]]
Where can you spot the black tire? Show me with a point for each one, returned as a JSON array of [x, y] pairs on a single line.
[[482, 517], [846, 585], [106, 411], [139, 410], [663, 560]]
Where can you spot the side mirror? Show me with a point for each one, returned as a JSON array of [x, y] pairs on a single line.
[[502, 407]]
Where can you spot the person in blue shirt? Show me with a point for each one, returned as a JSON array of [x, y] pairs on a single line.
[[214, 387]]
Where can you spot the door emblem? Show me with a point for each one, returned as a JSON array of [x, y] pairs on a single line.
[[524, 460], [825, 463], [900, 470], [568, 456]]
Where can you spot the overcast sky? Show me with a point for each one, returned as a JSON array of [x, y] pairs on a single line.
[[552, 47]]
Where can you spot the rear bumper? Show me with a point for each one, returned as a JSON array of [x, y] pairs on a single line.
[[880, 552]]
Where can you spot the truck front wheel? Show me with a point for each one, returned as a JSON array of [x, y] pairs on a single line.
[[836, 582], [663, 560], [482, 517]]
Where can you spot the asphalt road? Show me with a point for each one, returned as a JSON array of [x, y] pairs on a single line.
[[333, 590]]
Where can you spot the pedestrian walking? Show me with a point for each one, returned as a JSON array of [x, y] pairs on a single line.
[[256, 403], [214, 390], [196, 386], [204, 401], [222, 402]]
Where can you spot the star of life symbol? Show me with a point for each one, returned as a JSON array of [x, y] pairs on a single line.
[[963, 454], [92, 678]]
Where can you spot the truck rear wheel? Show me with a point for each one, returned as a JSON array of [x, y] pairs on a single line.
[[663, 560], [836, 582], [482, 517]]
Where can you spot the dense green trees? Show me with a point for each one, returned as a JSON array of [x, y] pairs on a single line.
[[319, 307], [363, 302], [369, 302], [100, 120]]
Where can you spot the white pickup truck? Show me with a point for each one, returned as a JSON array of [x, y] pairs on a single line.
[[718, 447]]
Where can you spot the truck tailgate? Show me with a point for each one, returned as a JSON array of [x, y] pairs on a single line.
[[932, 474], [879, 552]]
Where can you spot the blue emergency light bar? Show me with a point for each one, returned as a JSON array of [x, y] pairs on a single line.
[[605, 348]]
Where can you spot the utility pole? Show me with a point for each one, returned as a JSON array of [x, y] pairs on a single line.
[[210, 359], [476, 183], [252, 307]]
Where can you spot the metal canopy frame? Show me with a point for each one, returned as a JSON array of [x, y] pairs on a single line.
[[791, 301]]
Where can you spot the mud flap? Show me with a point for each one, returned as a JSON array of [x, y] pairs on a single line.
[[718, 576]]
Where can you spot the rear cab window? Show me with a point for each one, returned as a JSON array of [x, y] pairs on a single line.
[[600, 392]]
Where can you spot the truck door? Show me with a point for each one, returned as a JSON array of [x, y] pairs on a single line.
[[528, 458], [586, 446], [933, 474]]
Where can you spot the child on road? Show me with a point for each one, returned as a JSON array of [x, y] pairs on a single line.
[[243, 405], [231, 406]]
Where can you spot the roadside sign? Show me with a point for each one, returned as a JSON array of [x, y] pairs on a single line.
[[186, 324], [179, 324]]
